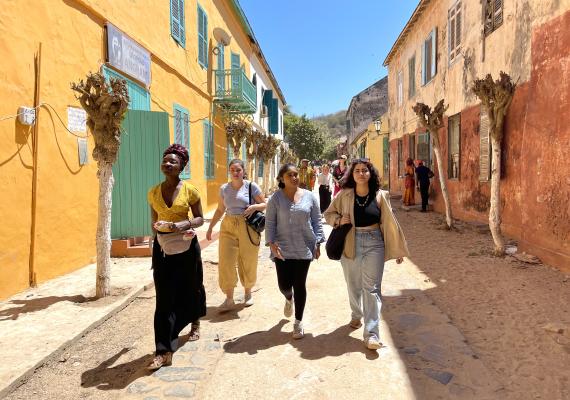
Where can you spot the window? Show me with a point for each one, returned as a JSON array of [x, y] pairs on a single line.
[[412, 77], [429, 56], [424, 149], [454, 31], [202, 37], [182, 133], [400, 88], [235, 77], [412, 146], [361, 151], [493, 15], [220, 78], [484, 147], [400, 157], [177, 22], [208, 150], [454, 146]]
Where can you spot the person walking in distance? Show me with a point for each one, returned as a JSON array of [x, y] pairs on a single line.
[[294, 232], [325, 181], [237, 245], [306, 176], [375, 237], [176, 260], [423, 175], [338, 173], [410, 187]]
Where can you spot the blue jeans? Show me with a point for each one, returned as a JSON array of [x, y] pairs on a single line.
[[363, 277]]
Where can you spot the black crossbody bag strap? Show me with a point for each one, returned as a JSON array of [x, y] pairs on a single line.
[[247, 226]]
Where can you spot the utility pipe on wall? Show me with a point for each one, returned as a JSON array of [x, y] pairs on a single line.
[[32, 273]]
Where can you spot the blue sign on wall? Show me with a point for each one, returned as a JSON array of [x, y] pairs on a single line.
[[127, 55]]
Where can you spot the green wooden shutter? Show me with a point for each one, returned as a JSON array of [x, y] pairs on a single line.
[[182, 133], [202, 37], [236, 64], [274, 117], [137, 169], [177, 22], [221, 81], [208, 150]]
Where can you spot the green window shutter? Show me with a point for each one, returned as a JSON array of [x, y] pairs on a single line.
[[177, 22], [202, 37], [182, 133], [235, 65], [274, 117], [208, 150]]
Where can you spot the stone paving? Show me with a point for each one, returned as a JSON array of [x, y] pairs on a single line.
[[249, 354]]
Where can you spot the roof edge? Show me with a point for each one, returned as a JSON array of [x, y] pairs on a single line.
[[249, 30], [402, 36]]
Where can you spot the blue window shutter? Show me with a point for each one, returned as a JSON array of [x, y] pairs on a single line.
[[182, 132], [202, 37], [212, 158], [424, 63], [433, 52], [260, 168], [175, 19], [274, 117], [221, 82], [206, 130], [182, 23]]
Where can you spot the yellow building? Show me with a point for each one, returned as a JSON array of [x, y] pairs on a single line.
[[173, 55], [373, 144]]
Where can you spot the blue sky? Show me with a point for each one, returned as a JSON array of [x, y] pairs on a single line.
[[323, 52]]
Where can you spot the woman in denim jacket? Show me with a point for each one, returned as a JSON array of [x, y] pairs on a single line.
[[294, 232]]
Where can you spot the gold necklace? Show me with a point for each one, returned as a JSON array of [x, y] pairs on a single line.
[[365, 200]]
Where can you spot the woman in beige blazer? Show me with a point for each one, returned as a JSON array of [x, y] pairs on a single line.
[[375, 237]]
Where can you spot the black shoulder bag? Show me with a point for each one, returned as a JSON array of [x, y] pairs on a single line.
[[255, 221], [335, 242]]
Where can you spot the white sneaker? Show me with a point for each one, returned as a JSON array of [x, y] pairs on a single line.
[[227, 305], [373, 343], [298, 331], [288, 309], [247, 300]]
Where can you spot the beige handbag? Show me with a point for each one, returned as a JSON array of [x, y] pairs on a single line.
[[173, 243]]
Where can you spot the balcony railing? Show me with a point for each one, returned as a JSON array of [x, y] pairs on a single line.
[[235, 92]]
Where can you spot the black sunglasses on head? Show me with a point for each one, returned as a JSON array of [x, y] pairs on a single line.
[[362, 160]]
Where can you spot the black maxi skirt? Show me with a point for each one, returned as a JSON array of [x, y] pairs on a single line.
[[180, 293], [324, 198]]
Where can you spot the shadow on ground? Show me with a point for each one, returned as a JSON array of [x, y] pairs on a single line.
[[106, 377], [32, 305], [333, 344]]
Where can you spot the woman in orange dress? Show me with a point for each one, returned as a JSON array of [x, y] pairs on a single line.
[[409, 183]]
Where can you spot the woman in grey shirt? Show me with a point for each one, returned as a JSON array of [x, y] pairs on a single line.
[[294, 231]]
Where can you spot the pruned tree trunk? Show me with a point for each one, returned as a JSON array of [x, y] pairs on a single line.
[[433, 122], [105, 105], [103, 239], [496, 97], [495, 206], [443, 184]]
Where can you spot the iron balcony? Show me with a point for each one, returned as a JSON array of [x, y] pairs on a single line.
[[234, 92]]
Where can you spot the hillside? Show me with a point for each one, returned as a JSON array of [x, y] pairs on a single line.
[[335, 123]]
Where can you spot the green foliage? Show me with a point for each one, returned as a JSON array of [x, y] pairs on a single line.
[[305, 138]]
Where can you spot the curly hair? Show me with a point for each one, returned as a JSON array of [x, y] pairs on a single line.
[[373, 182], [180, 151]]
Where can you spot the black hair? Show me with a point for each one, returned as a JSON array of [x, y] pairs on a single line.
[[284, 168], [348, 181], [180, 151]]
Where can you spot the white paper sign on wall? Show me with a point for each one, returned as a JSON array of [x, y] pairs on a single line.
[[76, 119]]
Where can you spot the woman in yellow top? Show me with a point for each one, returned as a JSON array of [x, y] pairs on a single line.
[[176, 260]]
